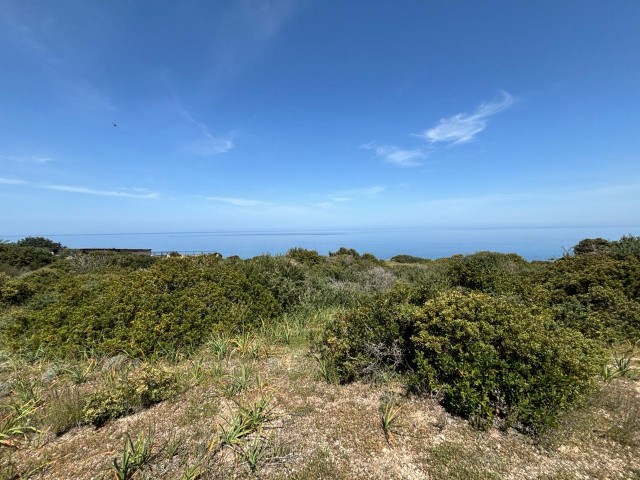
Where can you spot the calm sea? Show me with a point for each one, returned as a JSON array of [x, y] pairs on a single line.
[[532, 243]]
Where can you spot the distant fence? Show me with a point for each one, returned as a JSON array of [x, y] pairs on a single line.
[[193, 253]]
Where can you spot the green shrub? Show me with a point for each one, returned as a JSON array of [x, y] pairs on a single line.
[[370, 339], [490, 272], [283, 277], [596, 294], [174, 303], [626, 246], [40, 242], [141, 388], [351, 252], [306, 257], [492, 358], [426, 279], [592, 246], [26, 257], [102, 260], [408, 259]]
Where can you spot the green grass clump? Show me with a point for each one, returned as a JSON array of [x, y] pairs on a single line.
[[135, 454]]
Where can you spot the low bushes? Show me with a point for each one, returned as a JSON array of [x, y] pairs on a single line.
[[490, 357], [141, 388], [172, 304], [496, 359], [598, 295], [371, 339]]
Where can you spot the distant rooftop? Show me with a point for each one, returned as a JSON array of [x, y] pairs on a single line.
[[135, 251]]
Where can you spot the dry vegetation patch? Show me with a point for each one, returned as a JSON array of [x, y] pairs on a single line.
[[311, 429]]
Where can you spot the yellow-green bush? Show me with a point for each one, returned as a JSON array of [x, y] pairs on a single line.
[[172, 304], [597, 294], [141, 388], [493, 358], [370, 338]]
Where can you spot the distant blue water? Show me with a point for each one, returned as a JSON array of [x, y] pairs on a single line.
[[532, 243]]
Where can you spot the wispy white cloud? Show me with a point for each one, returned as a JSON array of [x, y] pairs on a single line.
[[268, 18], [396, 155], [240, 202], [11, 181], [121, 192], [128, 193], [18, 28], [301, 206], [243, 32], [363, 191], [351, 194], [27, 159], [463, 127], [207, 145]]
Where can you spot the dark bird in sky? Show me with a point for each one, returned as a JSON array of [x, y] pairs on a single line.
[[114, 124]]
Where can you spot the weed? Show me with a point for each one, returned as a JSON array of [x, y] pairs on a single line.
[[239, 381], [220, 346], [621, 364], [247, 345], [248, 420], [193, 472], [286, 331], [326, 369], [255, 453], [174, 445], [609, 372], [134, 455], [390, 411], [17, 422], [28, 390], [79, 374], [242, 343], [64, 409], [196, 371]]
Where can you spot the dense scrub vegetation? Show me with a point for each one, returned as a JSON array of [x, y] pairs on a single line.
[[499, 339]]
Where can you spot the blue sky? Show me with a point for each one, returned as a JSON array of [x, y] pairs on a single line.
[[300, 114]]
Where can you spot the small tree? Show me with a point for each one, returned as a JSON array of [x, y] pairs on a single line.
[[40, 242]]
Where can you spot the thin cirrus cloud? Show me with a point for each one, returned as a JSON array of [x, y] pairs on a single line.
[[128, 193], [11, 181], [33, 159], [142, 193], [396, 155], [207, 145], [463, 127], [348, 195], [239, 202]]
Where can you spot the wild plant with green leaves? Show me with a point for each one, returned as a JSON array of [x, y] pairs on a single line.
[[238, 381], [16, 422], [220, 346], [390, 415], [254, 453], [249, 419], [135, 454]]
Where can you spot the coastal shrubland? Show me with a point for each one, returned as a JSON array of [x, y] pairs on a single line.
[[274, 365]]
